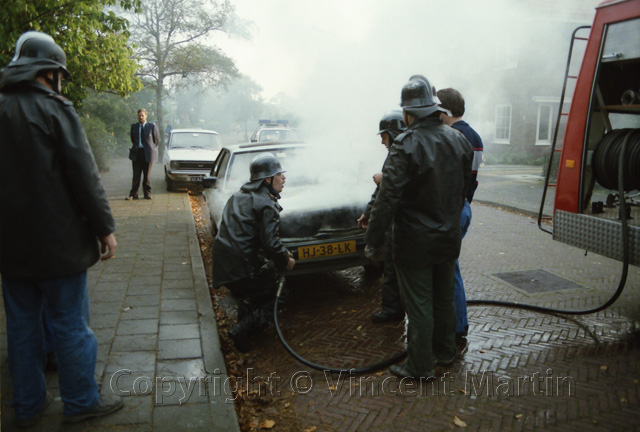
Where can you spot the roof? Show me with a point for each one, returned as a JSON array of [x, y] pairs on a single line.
[[194, 131], [266, 146]]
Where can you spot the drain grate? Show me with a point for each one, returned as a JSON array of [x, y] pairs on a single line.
[[537, 281]]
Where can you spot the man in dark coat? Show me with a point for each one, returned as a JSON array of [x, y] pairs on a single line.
[[422, 195], [248, 244], [145, 138], [391, 125], [49, 235]]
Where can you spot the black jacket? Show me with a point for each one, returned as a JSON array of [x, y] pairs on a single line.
[[422, 193], [53, 203], [150, 141], [249, 234]]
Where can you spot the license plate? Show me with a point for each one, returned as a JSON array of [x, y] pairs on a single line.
[[326, 249], [196, 179]]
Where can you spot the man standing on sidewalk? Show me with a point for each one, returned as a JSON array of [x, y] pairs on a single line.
[[422, 195], [145, 139], [50, 229], [452, 100]]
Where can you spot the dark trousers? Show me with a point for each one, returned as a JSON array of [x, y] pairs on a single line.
[[256, 297], [391, 302], [427, 296], [141, 167]]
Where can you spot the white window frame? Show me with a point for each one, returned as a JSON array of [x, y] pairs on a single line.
[[547, 141], [502, 140]]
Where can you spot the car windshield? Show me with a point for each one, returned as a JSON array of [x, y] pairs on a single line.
[[200, 140], [298, 163], [270, 135]]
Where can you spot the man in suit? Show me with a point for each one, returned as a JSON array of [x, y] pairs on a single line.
[[145, 138]]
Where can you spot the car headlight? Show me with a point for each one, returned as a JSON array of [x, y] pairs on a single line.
[[174, 165]]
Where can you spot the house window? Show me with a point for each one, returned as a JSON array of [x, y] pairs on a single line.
[[503, 124], [543, 135], [506, 56]]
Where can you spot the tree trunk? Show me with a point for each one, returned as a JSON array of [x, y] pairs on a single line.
[[159, 114]]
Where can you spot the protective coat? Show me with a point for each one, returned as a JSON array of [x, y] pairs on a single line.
[[53, 204], [248, 236], [422, 193]]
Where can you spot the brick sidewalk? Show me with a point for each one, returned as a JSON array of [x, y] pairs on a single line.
[[152, 315], [522, 370]]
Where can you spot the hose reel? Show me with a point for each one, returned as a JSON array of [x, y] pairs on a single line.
[[606, 159]]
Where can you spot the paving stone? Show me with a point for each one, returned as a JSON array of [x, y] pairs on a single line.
[[142, 300], [196, 417], [179, 317], [134, 360], [140, 312], [170, 305], [137, 326], [142, 342], [179, 331], [179, 349]]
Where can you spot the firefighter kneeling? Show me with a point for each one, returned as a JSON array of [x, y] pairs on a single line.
[[248, 245]]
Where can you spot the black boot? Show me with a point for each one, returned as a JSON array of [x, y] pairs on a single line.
[[386, 316]]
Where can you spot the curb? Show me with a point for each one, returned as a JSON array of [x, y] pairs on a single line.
[[222, 407]]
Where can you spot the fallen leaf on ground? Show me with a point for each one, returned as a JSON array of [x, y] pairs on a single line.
[[459, 422], [518, 416], [267, 424], [311, 429], [604, 368]]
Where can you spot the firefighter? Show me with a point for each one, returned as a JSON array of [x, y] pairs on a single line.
[[422, 195], [248, 252], [391, 125]]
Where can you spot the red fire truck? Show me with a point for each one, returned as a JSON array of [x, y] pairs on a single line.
[[601, 145]]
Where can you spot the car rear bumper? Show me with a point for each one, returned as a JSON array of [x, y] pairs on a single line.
[[326, 263]]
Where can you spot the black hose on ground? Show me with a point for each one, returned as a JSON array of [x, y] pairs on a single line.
[[361, 370], [623, 279]]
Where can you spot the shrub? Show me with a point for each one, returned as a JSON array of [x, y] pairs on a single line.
[[103, 144]]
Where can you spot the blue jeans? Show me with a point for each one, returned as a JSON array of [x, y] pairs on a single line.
[[462, 322], [65, 300]]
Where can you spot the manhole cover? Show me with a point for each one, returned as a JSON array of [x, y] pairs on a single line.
[[537, 281]]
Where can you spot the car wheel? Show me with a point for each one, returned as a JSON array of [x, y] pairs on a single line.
[[170, 184]]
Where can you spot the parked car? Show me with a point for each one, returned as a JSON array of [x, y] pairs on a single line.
[[319, 221], [189, 156], [274, 131]]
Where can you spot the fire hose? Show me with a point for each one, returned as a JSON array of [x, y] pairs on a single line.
[[619, 147]]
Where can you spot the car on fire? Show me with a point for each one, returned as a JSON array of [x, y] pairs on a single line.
[[189, 156], [318, 224], [274, 131]]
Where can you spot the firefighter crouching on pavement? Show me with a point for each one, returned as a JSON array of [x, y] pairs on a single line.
[[424, 187], [248, 245], [391, 125]]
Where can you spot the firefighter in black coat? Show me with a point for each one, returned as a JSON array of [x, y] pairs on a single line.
[[424, 184], [391, 125], [248, 252]]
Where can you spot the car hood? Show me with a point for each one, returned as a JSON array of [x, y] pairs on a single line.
[[310, 209], [195, 154]]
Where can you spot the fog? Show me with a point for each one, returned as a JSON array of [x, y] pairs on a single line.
[[339, 65]]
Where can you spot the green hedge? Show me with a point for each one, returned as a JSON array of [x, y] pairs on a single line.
[[103, 143]]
